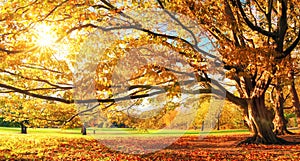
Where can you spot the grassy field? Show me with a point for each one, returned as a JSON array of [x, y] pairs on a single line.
[[69, 144], [119, 131]]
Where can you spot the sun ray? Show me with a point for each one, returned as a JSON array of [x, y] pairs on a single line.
[[45, 36]]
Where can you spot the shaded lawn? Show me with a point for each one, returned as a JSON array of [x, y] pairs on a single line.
[[64, 146]]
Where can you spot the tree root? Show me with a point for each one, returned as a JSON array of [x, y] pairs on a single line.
[[289, 132], [259, 140], [284, 132]]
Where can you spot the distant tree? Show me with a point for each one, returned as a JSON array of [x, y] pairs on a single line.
[[37, 113]]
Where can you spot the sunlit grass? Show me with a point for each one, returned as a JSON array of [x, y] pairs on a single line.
[[76, 132], [109, 132], [119, 131]]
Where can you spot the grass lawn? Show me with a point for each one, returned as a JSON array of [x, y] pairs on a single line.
[[119, 132], [69, 144]]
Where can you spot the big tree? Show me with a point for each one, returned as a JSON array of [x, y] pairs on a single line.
[[256, 37], [253, 39]]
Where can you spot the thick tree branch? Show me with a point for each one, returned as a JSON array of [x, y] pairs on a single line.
[[101, 6], [138, 27], [179, 22], [251, 25], [291, 47], [38, 80], [282, 27], [269, 17], [259, 7], [50, 98], [35, 89], [18, 51], [114, 8]]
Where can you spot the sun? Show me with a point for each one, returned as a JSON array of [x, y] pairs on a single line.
[[45, 36]]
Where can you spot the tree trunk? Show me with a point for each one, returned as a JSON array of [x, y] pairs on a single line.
[[259, 119], [218, 119], [83, 130], [202, 127], [279, 121], [294, 95], [23, 129]]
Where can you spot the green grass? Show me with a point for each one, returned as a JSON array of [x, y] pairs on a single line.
[[119, 132], [9, 130], [50, 132]]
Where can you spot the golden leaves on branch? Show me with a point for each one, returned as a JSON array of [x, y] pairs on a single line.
[[130, 61], [251, 60]]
